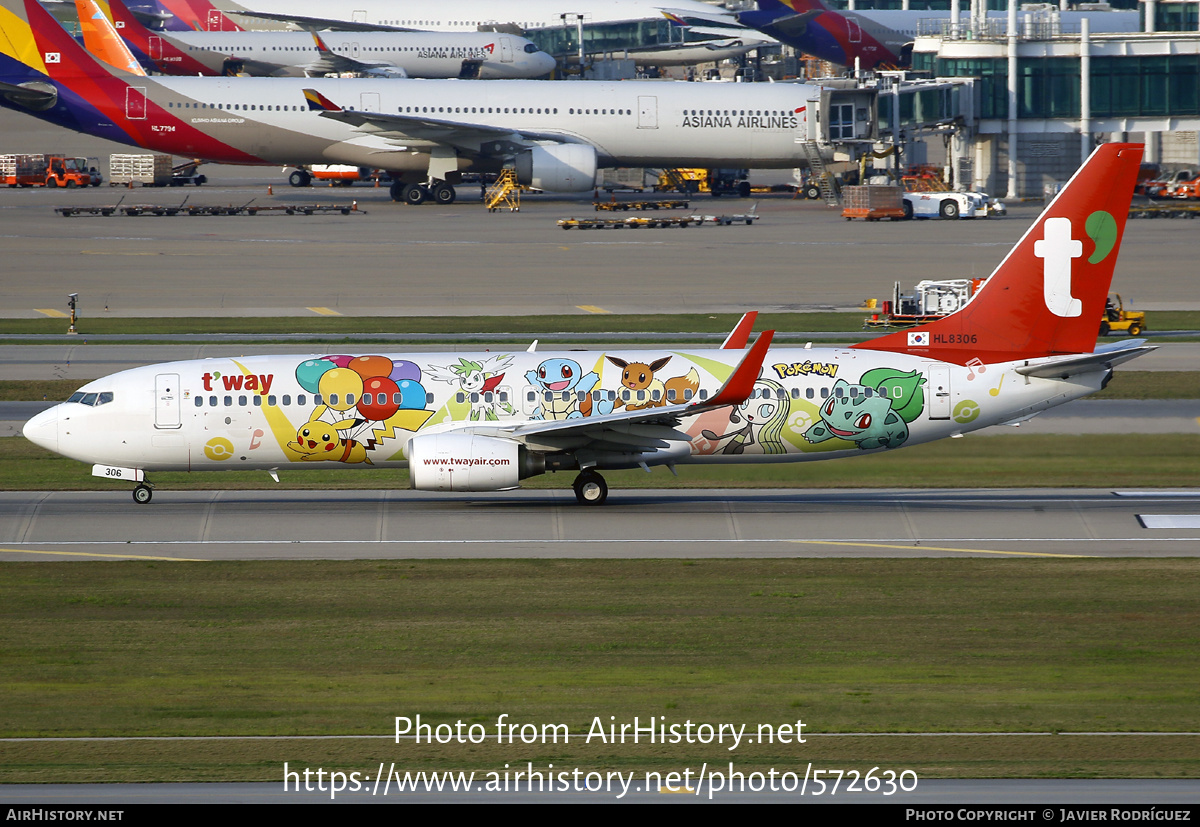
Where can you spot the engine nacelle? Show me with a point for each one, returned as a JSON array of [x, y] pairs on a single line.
[[465, 462], [558, 168]]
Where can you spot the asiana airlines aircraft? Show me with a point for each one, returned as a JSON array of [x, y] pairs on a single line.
[[425, 132], [1026, 342], [483, 55]]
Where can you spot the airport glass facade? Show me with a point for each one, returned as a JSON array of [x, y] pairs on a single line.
[[1173, 17], [1122, 87], [599, 38]]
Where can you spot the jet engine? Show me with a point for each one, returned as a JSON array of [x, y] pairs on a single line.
[[466, 462], [558, 168]]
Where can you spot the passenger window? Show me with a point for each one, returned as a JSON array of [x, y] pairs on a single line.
[[349, 399], [212, 401], [824, 393], [199, 401], [474, 397], [317, 399], [687, 394], [670, 394], [333, 399], [241, 401], [228, 401], [460, 397], [257, 401], [287, 399], [271, 400], [809, 393], [301, 399]]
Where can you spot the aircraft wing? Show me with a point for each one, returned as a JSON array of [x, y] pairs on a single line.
[[323, 22], [1105, 357], [642, 431], [472, 137], [330, 62]]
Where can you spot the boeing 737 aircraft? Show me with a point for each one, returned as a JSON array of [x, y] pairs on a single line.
[[425, 132], [486, 55], [879, 37], [484, 421]]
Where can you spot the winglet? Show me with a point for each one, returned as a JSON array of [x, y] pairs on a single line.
[[737, 387], [321, 47], [320, 103], [737, 338]]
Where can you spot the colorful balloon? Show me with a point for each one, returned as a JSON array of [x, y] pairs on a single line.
[[412, 395], [368, 366], [309, 373], [402, 370], [383, 392], [340, 360], [341, 384]]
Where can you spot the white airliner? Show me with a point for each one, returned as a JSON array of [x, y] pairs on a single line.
[[691, 32], [425, 132], [484, 421], [485, 55]]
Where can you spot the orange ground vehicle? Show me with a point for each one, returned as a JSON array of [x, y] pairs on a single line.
[[46, 171]]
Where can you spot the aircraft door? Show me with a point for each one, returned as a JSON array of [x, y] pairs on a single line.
[[855, 30], [939, 392], [359, 16], [506, 53], [155, 47], [135, 103], [166, 401], [370, 101], [647, 112], [529, 400]]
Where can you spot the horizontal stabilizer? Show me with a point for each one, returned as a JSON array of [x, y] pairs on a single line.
[[1066, 366]]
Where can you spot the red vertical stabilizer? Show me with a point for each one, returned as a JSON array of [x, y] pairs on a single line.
[[1047, 296]]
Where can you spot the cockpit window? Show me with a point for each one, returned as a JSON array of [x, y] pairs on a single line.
[[93, 399]]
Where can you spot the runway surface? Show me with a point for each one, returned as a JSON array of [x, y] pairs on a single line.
[[303, 525]]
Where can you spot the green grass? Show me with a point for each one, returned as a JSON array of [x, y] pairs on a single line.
[[525, 325], [290, 648], [1011, 461], [466, 325]]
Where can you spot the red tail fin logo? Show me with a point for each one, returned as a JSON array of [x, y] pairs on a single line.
[[1047, 296]]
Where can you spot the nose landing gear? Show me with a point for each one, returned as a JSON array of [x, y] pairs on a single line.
[[142, 494]]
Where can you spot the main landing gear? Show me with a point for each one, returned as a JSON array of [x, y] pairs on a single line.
[[590, 488], [142, 494], [439, 192]]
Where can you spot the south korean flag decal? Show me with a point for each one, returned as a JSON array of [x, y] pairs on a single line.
[[918, 339], [53, 57]]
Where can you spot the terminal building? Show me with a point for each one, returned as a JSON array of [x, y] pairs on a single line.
[[1015, 104]]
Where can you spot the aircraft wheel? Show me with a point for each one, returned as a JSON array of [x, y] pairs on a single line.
[[414, 194], [142, 494], [443, 193], [298, 178], [812, 192], [948, 209], [590, 488]]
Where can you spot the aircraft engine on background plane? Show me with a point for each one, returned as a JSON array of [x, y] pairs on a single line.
[[469, 462], [558, 168]]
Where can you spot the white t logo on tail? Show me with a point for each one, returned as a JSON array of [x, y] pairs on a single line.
[[1056, 250]]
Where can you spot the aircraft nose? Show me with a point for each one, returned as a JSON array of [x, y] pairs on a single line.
[[545, 62], [42, 430]]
